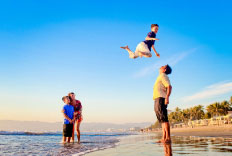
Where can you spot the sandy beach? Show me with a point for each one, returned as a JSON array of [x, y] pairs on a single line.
[[207, 131], [145, 145], [210, 140]]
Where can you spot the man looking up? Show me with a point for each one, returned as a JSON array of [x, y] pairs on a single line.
[[161, 92]]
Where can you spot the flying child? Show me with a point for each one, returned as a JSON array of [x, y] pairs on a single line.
[[143, 49]]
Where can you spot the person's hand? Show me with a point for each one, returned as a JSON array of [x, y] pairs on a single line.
[[156, 39], [158, 55], [166, 101]]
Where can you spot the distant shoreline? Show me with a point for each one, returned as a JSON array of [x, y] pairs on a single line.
[[224, 131]]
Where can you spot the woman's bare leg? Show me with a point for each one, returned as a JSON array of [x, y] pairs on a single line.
[[78, 132]]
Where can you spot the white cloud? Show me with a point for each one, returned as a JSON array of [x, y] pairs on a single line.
[[172, 61], [210, 91]]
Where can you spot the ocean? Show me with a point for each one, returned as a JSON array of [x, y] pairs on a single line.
[[111, 144], [49, 144]]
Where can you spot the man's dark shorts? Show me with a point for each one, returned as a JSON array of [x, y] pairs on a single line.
[[161, 110], [67, 130]]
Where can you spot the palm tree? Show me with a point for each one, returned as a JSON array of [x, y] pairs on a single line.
[[199, 112], [186, 114], [178, 114], [226, 106], [230, 100], [215, 109]]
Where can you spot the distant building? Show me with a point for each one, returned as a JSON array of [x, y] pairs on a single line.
[[135, 129]]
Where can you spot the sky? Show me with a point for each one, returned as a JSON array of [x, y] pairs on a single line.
[[51, 48]]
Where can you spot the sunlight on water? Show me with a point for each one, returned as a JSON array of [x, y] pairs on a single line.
[[113, 145]]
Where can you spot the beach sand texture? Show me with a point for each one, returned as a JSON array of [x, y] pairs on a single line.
[[145, 145], [206, 131], [208, 140]]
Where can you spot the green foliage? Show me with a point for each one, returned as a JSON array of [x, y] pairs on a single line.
[[156, 125], [197, 112], [193, 113], [218, 109], [207, 115]]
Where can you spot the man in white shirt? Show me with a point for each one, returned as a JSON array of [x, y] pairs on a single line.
[[161, 92]]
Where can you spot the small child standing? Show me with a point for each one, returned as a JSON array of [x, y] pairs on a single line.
[[68, 111], [143, 49]]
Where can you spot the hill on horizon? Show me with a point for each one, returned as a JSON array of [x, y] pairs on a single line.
[[38, 126]]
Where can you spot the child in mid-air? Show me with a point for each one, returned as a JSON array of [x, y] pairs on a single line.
[[143, 49], [68, 111]]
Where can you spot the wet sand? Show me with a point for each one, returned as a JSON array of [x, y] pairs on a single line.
[[145, 145], [198, 141]]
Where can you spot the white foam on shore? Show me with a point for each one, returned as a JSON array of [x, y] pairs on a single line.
[[92, 150]]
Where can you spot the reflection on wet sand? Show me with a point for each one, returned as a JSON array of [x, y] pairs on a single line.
[[193, 145], [181, 145], [167, 149], [196, 145]]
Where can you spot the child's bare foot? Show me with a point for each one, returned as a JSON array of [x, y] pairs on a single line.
[[126, 47]]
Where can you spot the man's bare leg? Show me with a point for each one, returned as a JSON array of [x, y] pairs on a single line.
[[131, 53], [167, 132], [163, 134]]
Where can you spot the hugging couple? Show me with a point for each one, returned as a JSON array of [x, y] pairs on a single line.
[[72, 111]]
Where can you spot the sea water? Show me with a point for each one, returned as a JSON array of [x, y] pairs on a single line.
[[49, 144], [111, 144]]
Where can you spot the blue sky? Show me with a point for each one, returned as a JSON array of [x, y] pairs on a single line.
[[49, 48]]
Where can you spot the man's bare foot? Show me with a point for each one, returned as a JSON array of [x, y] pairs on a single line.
[[126, 47], [160, 141], [167, 141]]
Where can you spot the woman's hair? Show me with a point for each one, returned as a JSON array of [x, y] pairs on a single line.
[[69, 95], [168, 70]]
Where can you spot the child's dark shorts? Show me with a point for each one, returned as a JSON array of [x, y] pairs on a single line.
[[161, 110], [67, 130]]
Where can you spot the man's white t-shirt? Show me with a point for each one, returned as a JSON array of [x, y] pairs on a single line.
[[160, 86]]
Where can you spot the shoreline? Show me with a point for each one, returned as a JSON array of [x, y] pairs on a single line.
[[145, 144], [224, 131]]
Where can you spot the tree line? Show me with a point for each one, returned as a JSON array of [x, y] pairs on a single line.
[[197, 112]]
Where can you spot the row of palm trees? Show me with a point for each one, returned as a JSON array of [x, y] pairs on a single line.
[[197, 112]]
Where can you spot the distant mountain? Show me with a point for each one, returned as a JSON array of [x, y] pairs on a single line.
[[37, 126]]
